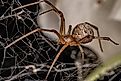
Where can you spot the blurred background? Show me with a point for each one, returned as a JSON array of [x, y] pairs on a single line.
[[105, 14]]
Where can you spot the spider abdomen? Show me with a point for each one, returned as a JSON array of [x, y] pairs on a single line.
[[83, 32]]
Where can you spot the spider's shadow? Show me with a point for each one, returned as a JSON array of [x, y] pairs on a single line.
[[71, 53], [69, 56]]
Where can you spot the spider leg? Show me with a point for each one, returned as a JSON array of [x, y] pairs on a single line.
[[36, 30], [45, 11], [69, 30], [82, 53], [79, 63], [55, 59], [97, 34], [51, 30], [106, 38], [62, 25]]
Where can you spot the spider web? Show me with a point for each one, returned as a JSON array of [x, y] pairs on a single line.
[[30, 58]]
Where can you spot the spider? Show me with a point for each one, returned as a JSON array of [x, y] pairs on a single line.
[[82, 33]]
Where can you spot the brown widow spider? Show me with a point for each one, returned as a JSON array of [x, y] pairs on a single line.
[[82, 33]]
